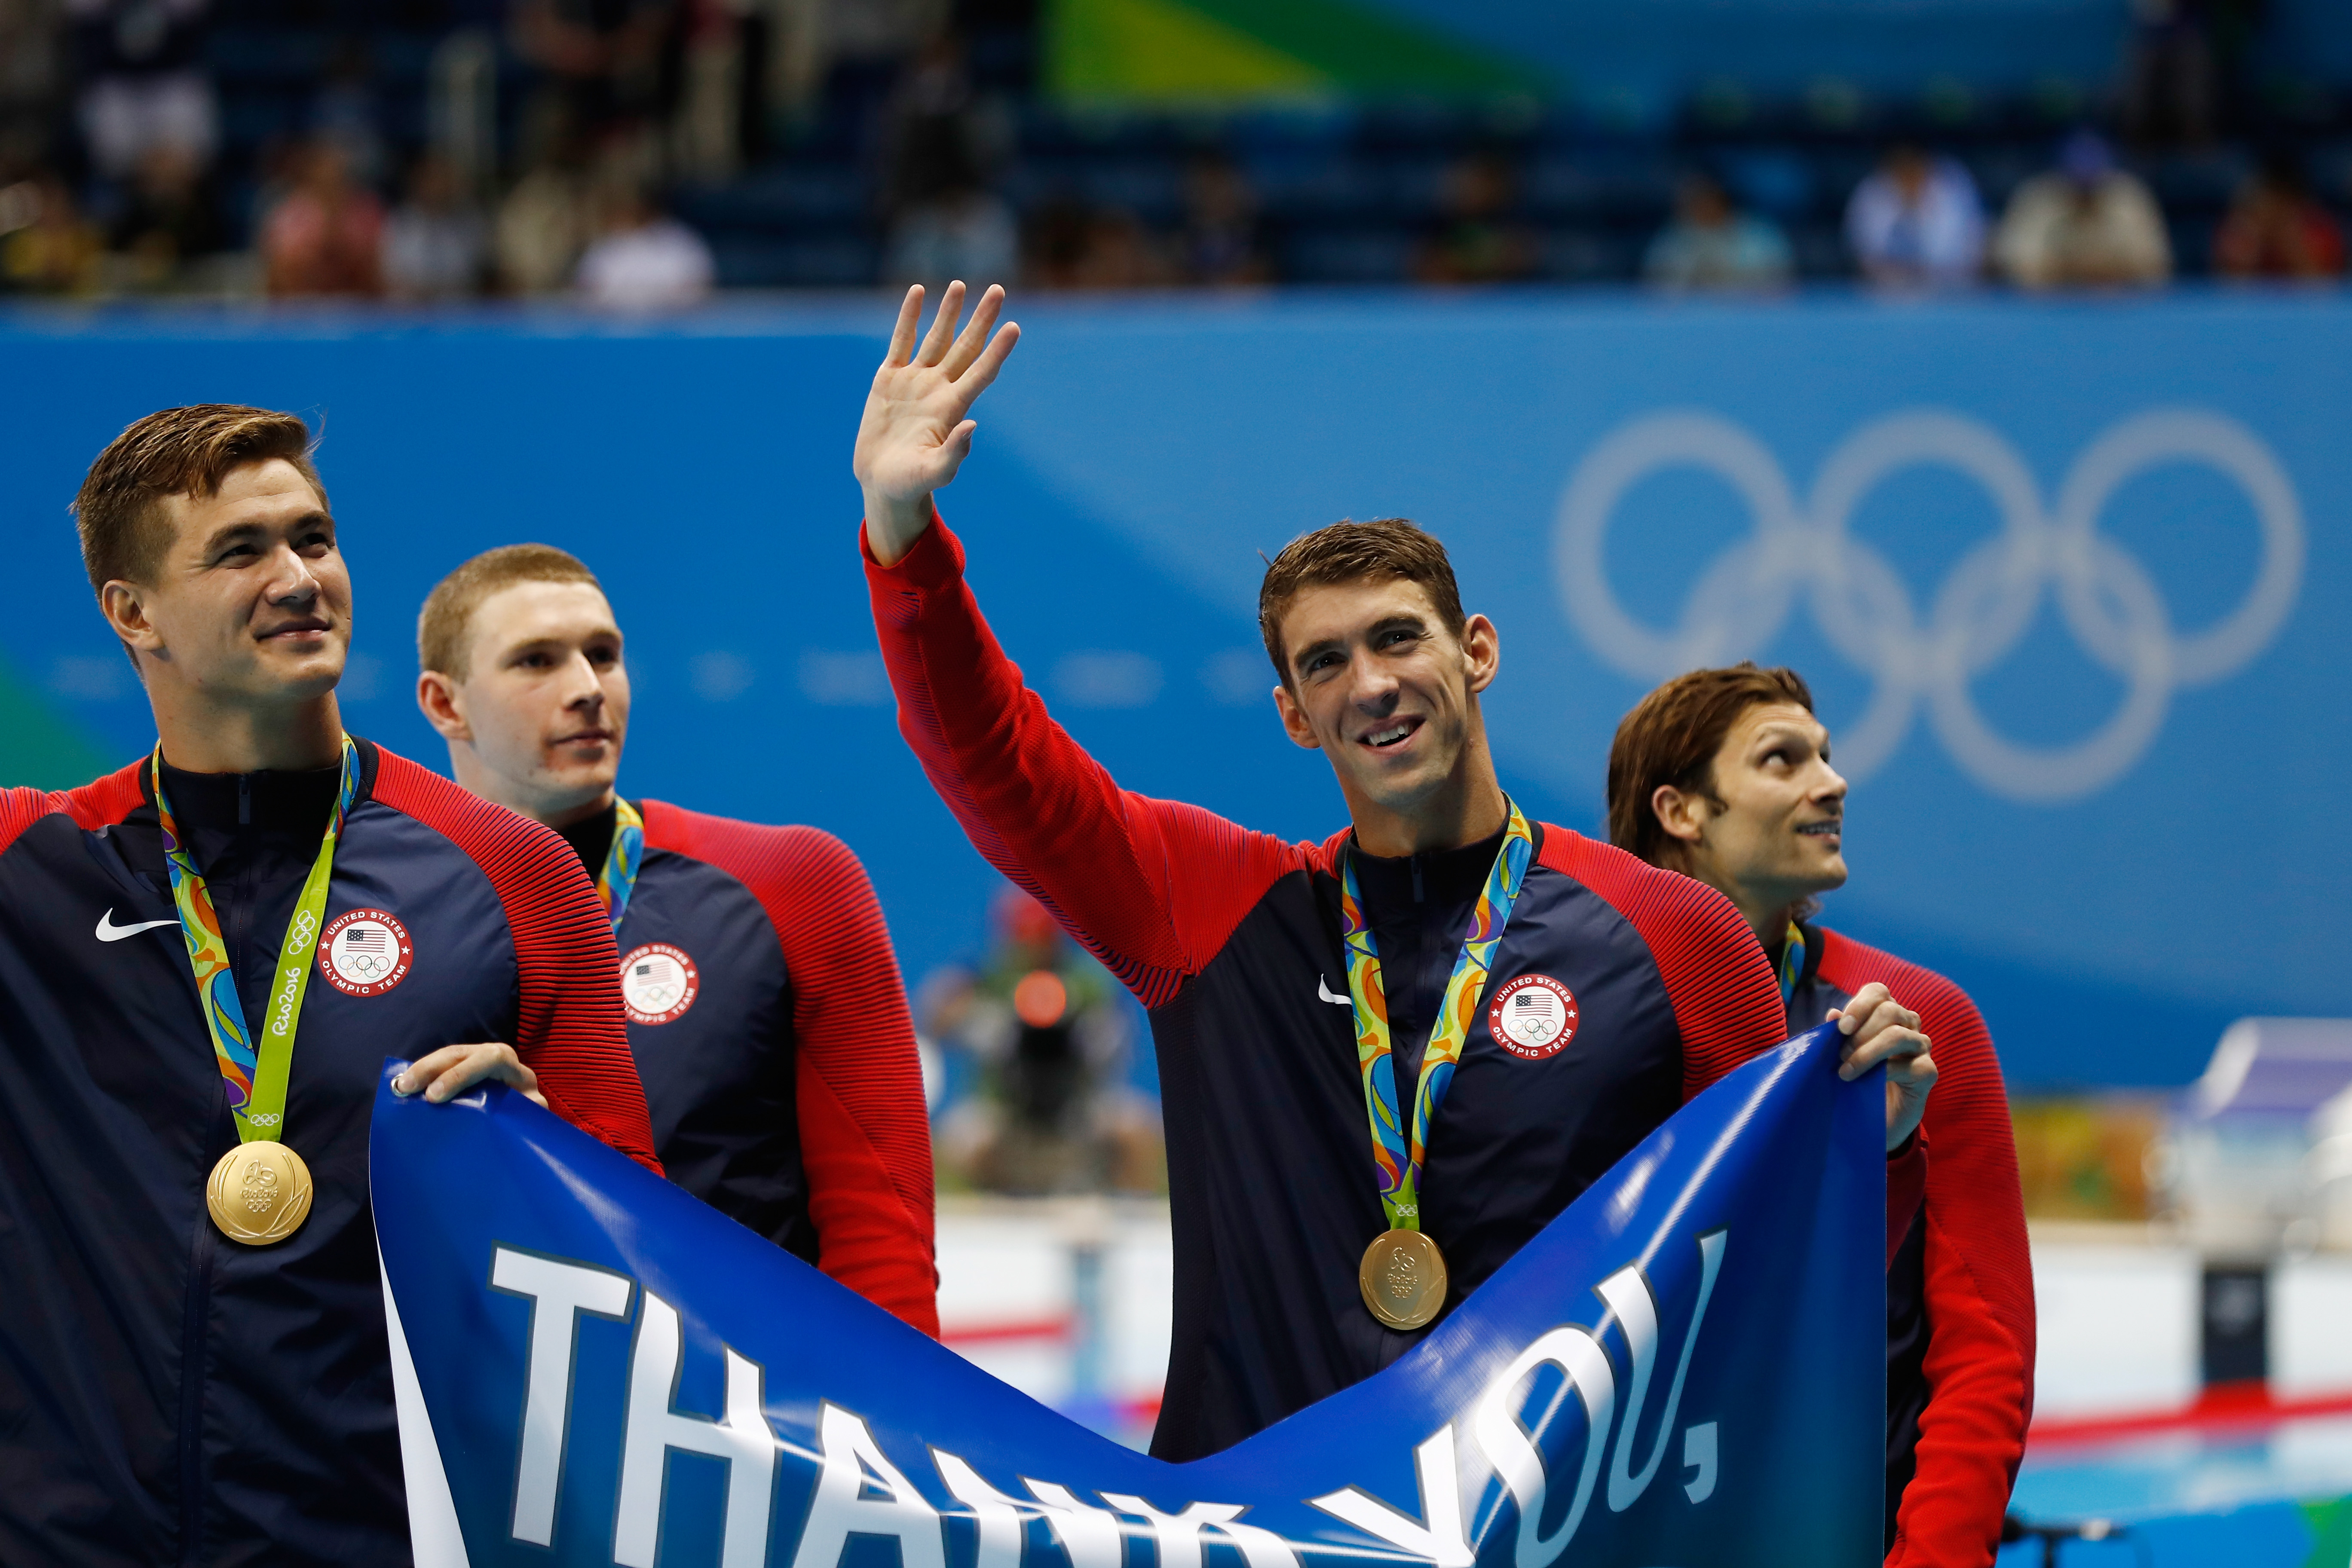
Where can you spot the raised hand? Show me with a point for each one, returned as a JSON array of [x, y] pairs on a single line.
[[914, 435]]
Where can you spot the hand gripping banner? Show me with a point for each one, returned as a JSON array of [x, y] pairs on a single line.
[[1687, 1367]]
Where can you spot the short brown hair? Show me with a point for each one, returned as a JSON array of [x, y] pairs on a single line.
[[446, 623], [1383, 548], [174, 452], [1671, 737]]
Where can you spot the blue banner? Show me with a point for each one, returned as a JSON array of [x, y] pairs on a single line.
[[1685, 1367]]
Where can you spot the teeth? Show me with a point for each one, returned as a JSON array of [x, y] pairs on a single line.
[[1383, 737]]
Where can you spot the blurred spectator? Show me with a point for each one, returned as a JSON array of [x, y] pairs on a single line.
[[1476, 241], [434, 244], [1222, 242], [32, 76], [1072, 246], [2086, 224], [2171, 81], [611, 65], [46, 247], [1710, 244], [144, 82], [963, 232], [2275, 228], [1916, 222], [944, 221], [542, 224], [325, 235], [345, 114], [1036, 1047], [169, 219], [644, 259]]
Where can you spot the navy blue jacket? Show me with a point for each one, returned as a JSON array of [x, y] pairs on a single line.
[[168, 1396], [1642, 987], [771, 1030]]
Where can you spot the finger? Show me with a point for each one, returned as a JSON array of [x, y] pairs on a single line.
[[983, 371], [957, 446], [943, 333], [490, 1059], [418, 1075], [975, 336], [1882, 1046], [902, 335]]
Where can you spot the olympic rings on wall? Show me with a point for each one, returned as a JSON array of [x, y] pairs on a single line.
[[2106, 598]]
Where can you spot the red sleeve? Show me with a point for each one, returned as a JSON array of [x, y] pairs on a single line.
[[571, 1031], [865, 1134], [92, 806], [1726, 1001], [1979, 1276], [1150, 887]]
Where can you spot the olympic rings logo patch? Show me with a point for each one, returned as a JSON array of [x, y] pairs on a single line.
[[1984, 609]]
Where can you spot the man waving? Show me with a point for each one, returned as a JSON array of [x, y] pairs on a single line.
[[1388, 1058]]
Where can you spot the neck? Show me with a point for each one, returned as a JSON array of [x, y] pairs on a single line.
[[201, 737], [1465, 809], [557, 812], [1767, 914]]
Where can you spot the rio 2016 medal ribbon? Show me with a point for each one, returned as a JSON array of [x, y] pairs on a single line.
[[618, 880], [259, 1192], [1402, 1276]]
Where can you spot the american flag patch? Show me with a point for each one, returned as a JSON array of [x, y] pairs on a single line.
[[365, 939]]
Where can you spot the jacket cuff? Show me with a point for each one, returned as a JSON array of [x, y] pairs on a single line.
[[935, 559]]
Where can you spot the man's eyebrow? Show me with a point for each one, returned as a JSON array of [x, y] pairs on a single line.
[[231, 533]]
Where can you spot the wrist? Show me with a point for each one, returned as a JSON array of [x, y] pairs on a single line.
[[893, 525]]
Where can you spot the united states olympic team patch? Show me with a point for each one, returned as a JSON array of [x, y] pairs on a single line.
[[658, 983], [1533, 1016], [365, 952]]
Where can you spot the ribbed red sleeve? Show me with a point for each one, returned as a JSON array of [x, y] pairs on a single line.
[[865, 1134], [571, 1031], [1725, 1001], [1979, 1276], [1150, 887], [92, 806]]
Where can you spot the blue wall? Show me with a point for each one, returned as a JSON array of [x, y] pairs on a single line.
[[2112, 906]]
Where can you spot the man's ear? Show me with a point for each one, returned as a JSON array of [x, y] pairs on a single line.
[[1294, 720], [1482, 648], [124, 605], [443, 705], [1683, 815]]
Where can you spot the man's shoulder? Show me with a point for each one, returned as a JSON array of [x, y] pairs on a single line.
[[1850, 965], [533, 871], [101, 803], [763, 856], [1645, 894]]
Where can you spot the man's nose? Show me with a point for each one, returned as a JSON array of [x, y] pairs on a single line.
[[295, 583], [1369, 686]]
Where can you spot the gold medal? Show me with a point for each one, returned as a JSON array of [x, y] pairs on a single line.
[[1402, 1277], [259, 1192]]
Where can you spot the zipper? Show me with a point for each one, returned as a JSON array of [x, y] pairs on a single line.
[[195, 1373]]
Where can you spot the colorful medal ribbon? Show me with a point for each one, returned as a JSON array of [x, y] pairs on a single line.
[[618, 880], [1400, 1159], [255, 1080], [1792, 962]]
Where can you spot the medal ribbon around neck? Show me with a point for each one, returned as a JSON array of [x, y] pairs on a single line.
[[1792, 962], [255, 1079], [1400, 1156], [618, 880]]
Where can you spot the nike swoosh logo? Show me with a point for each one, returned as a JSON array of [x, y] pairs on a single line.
[[1323, 993], [109, 932]]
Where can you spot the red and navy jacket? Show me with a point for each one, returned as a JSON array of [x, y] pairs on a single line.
[[1959, 1288], [772, 1033], [168, 1396], [1232, 940]]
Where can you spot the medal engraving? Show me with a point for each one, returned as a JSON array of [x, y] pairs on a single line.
[[259, 1192], [1402, 1277]]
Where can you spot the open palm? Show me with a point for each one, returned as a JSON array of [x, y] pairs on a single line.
[[914, 435]]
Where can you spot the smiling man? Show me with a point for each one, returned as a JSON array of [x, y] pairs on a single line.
[[765, 1009], [1387, 1060], [1725, 775], [204, 961]]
